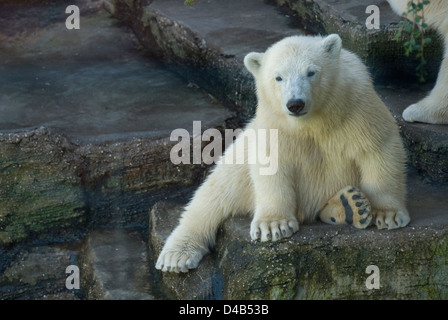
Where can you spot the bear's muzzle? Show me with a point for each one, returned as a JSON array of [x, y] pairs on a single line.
[[296, 106]]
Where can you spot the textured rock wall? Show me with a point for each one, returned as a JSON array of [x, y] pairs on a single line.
[[318, 262], [52, 188]]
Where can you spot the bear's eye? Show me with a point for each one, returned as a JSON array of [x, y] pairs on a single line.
[[278, 79], [311, 73]]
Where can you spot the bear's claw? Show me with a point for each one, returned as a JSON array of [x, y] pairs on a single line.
[[179, 256], [178, 261], [273, 230]]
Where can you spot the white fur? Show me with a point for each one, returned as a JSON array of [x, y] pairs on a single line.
[[434, 108], [347, 137]]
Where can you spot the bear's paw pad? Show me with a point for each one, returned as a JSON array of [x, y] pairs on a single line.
[[349, 206], [273, 230]]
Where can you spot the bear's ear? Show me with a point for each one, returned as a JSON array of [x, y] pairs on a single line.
[[332, 45], [252, 61]]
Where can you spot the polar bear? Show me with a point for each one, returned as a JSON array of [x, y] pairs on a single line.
[[340, 156], [434, 108]]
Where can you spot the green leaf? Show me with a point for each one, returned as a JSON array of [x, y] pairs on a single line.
[[190, 2], [408, 28]]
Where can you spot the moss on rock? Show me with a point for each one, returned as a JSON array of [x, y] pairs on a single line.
[[40, 189]]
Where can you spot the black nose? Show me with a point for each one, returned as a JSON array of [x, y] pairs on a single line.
[[295, 105]]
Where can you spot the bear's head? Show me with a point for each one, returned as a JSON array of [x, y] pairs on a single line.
[[294, 75]]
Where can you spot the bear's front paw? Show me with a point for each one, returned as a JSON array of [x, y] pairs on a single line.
[[179, 258], [274, 230], [391, 219]]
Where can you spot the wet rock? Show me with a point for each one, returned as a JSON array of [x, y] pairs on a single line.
[[86, 123], [252, 270], [114, 266], [427, 147], [377, 47], [39, 273], [324, 262], [49, 184], [123, 179], [41, 192], [208, 54], [203, 283], [426, 144], [318, 262]]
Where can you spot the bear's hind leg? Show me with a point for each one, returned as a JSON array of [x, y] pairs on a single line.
[[349, 206]]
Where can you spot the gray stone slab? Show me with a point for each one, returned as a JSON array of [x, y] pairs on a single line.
[[426, 144], [234, 27], [85, 121], [39, 273], [378, 48], [114, 266], [206, 43], [206, 283], [91, 83], [41, 194]]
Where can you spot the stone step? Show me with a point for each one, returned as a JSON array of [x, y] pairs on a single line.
[[114, 266], [85, 124], [111, 264], [426, 144], [320, 261], [205, 283], [206, 43], [377, 47], [39, 273]]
